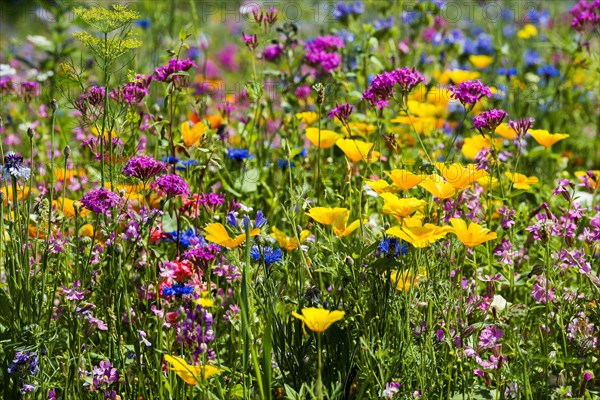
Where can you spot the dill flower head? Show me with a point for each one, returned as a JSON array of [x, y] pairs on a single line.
[[13, 167], [172, 185], [143, 167], [100, 200]]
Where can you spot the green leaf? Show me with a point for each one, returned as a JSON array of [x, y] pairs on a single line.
[[5, 309]]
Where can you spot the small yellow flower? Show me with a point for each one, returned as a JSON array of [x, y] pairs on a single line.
[[418, 235], [436, 185], [286, 242], [521, 181], [191, 374], [217, 233], [191, 137], [357, 150], [405, 179], [338, 217], [481, 61], [308, 117], [400, 208], [458, 76], [475, 144], [527, 32], [473, 235], [327, 139], [317, 319], [546, 138], [506, 131], [381, 186], [459, 176], [86, 230], [404, 279]]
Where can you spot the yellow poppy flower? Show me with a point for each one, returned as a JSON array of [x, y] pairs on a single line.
[[405, 179], [192, 136], [358, 129], [487, 182], [357, 150], [546, 138], [506, 131], [217, 233], [67, 206], [327, 138], [96, 132], [308, 117], [381, 186], [459, 176], [436, 185], [8, 194], [417, 234], [481, 61], [473, 235], [191, 374], [404, 279], [87, 230], [400, 208], [424, 125], [317, 319], [474, 144], [527, 32], [521, 181], [66, 175], [286, 242], [338, 217], [592, 182], [458, 76]]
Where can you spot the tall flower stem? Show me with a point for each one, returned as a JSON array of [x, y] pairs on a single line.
[[319, 368]]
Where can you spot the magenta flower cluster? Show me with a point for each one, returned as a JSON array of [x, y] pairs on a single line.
[[586, 14], [172, 185], [90, 102], [143, 167], [322, 52], [470, 92], [100, 200], [166, 72], [488, 121], [382, 88], [133, 92]]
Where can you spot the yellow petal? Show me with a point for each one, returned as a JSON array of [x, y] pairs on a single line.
[[357, 150], [327, 138]]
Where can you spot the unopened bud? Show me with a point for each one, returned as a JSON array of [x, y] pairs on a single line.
[[320, 89], [67, 151], [54, 104], [30, 132]]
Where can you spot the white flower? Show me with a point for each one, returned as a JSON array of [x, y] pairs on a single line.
[[7, 70], [40, 41], [499, 303]]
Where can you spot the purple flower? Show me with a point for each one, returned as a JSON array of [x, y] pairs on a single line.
[[507, 215], [521, 126], [504, 252], [165, 73], [143, 167], [470, 92], [172, 185], [272, 52], [322, 52], [342, 112], [391, 389], [488, 121], [133, 92], [73, 293], [539, 290], [489, 337], [381, 89], [250, 40], [100, 200], [91, 103], [303, 92], [586, 14]]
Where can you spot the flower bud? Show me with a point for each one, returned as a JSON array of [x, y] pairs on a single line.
[[54, 104]]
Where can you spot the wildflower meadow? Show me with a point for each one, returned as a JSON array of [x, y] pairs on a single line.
[[299, 200]]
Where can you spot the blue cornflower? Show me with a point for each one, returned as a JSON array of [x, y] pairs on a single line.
[[508, 72], [170, 160], [532, 57], [259, 220], [392, 247], [186, 237], [231, 219], [13, 167], [344, 9], [383, 23], [143, 23], [182, 165], [548, 71], [177, 290], [283, 164], [509, 31], [269, 255], [238, 154]]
